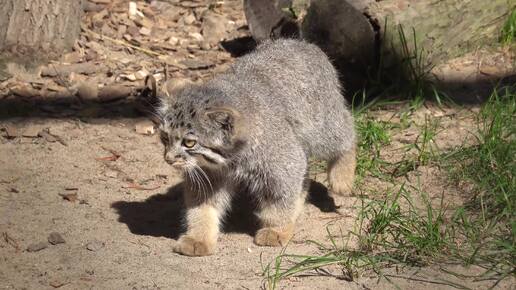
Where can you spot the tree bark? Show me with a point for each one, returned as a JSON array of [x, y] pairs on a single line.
[[345, 35], [357, 34], [38, 28], [439, 29], [268, 19]]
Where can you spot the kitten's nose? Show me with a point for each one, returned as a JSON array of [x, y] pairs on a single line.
[[172, 158]]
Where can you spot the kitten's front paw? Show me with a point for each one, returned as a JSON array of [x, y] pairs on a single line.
[[191, 247], [272, 237]]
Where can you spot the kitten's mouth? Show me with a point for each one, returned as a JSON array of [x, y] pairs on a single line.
[[178, 164]]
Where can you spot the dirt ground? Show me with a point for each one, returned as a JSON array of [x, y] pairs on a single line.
[[77, 166]]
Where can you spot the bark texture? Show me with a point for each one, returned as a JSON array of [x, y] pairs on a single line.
[[38, 28], [354, 33], [441, 29], [345, 35], [269, 19]]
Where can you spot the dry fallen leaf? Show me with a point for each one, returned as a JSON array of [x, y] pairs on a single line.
[[57, 284], [139, 187], [72, 197], [114, 155]]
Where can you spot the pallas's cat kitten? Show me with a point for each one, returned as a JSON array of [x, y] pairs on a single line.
[[252, 129]]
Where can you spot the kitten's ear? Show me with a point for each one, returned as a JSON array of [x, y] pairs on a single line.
[[149, 97], [150, 85], [229, 119], [167, 92], [150, 91]]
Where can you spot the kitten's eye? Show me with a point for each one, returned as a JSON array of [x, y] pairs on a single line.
[[189, 143]]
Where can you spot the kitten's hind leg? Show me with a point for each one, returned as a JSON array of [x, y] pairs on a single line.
[[278, 220], [203, 222], [341, 172]]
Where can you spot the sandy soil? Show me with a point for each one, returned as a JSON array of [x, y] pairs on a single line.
[[120, 227], [105, 189]]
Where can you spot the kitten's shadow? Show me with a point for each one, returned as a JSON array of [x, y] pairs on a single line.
[[162, 215]]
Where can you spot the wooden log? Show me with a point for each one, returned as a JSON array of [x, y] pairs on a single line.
[[441, 30], [354, 33], [269, 19], [345, 35], [38, 28]]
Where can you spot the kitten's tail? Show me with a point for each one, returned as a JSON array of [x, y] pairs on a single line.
[[341, 172]]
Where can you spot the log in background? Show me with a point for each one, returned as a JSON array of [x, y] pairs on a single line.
[[39, 28]]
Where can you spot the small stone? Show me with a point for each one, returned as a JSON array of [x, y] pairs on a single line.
[[173, 40], [188, 19], [214, 27], [37, 247], [144, 22], [197, 36], [132, 8], [94, 246], [55, 238], [141, 74], [205, 46], [144, 127], [129, 77], [183, 42], [145, 31]]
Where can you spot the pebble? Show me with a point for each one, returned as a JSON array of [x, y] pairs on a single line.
[[36, 247], [145, 31], [197, 36], [214, 27], [188, 19], [144, 127], [173, 40], [55, 238], [94, 246]]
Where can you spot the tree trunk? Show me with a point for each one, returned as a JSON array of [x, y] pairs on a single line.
[[267, 18], [439, 29], [34, 29], [348, 38], [356, 34]]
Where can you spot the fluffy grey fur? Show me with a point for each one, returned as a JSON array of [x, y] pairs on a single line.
[[254, 128]]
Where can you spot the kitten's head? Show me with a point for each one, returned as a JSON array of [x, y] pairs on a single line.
[[197, 130]]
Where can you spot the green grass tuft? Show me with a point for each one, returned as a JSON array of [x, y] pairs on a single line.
[[491, 164], [406, 227], [372, 136], [508, 34]]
